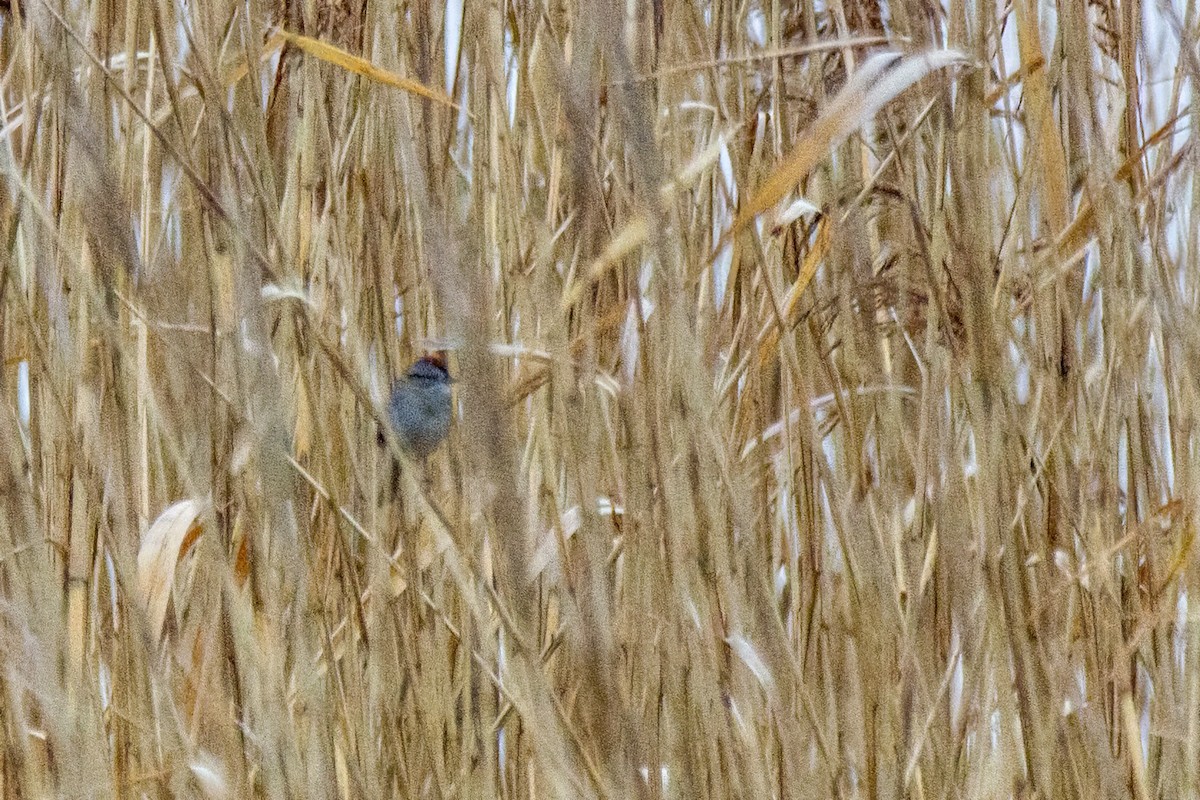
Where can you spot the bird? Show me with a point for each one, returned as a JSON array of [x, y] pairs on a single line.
[[420, 406]]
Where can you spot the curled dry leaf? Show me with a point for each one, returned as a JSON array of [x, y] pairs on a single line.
[[167, 541]]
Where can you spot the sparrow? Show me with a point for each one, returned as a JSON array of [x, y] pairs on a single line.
[[419, 407]]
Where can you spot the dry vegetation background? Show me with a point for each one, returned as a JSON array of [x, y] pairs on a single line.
[[888, 495]]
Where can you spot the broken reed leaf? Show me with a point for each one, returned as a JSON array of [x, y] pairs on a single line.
[[1081, 229], [332, 54], [1016, 78], [699, 165], [792, 212], [230, 77], [632, 236], [635, 232], [876, 83], [768, 337], [547, 554], [823, 46]]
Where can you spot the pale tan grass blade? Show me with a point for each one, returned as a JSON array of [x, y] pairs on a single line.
[[165, 544]]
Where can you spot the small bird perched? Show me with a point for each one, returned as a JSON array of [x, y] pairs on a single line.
[[419, 407]]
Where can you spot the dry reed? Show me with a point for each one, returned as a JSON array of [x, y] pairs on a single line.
[[826, 408]]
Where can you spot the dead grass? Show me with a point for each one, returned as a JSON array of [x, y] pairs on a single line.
[[889, 495]]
